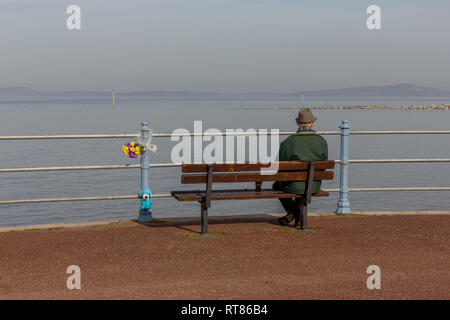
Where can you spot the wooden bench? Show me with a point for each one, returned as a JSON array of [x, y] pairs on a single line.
[[246, 172]]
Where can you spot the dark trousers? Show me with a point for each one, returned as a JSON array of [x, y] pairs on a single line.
[[291, 205]]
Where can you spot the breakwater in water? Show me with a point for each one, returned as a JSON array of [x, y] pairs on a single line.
[[362, 107]]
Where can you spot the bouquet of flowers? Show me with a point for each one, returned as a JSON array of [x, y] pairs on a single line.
[[133, 149]]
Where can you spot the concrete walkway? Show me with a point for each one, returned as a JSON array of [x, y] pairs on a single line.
[[245, 258]]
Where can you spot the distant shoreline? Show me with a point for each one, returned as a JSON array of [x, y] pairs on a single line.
[[366, 107]]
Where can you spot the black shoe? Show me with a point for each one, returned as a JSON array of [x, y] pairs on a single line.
[[283, 221]]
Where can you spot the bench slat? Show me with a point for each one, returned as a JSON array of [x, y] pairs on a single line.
[[235, 167], [252, 177], [239, 195]]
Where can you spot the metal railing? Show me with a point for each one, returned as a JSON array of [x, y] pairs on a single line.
[[344, 161]]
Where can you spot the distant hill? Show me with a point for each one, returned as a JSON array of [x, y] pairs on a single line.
[[20, 92], [398, 90]]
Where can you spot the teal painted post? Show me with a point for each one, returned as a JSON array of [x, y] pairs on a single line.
[[145, 214], [343, 206]]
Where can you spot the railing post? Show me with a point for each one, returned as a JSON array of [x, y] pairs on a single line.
[[145, 214], [343, 206]]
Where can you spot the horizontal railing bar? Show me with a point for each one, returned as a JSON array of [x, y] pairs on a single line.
[[70, 136], [166, 135], [394, 160], [80, 199], [162, 165], [391, 189], [331, 190], [155, 135], [125, 166], [100, 167], [281, 133], [400, 189], [168, 195], [401, 132]]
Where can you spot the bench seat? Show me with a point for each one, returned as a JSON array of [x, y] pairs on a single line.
[[241, 194]]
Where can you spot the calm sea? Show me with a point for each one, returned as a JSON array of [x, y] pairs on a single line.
[[92, 116]]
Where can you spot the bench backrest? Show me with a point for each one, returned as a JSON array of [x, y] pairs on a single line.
[[251, 172]]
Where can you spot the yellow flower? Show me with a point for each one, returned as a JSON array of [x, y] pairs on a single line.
[[132, 143], [125, 150], [137, 150]]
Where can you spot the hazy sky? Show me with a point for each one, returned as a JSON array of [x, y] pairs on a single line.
[[223, 45]]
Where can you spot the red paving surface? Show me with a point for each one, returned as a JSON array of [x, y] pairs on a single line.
[[252, 260]]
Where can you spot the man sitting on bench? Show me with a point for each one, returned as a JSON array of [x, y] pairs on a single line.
[[307, 146]]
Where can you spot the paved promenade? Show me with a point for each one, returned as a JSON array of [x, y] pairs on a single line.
[[251, 258]]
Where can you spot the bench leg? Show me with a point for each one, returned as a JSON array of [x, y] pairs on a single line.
[[303, 214], [204, 217]]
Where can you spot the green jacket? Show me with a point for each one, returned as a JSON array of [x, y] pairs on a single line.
[[306, 147]]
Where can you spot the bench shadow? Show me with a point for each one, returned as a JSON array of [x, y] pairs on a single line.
[[194, 224]]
